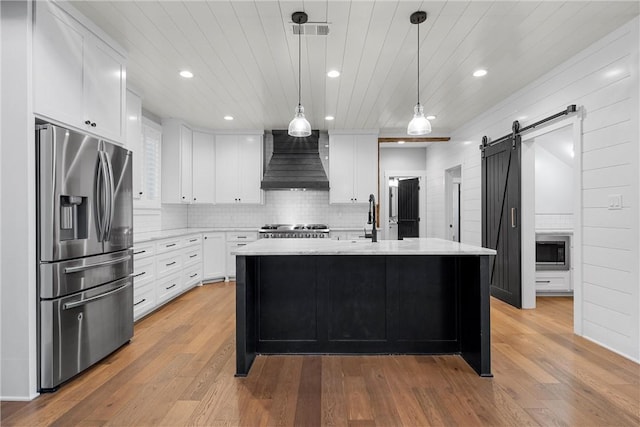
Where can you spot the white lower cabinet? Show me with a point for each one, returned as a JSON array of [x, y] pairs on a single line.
[[168, 287], [144, 268], [163, 269], [237, 240], [214, 256], [553, 281]]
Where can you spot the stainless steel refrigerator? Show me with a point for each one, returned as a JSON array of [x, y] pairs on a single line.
[[85, 256]]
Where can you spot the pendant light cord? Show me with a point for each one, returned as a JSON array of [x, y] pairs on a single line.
[[418, 44], [299, 61]]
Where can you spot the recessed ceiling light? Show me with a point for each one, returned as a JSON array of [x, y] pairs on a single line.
[[228, 117], [431, 117], [479, 73], [400, 142], [133, 118], [333, 74], [329, 118], [186, 74], [468, 142]]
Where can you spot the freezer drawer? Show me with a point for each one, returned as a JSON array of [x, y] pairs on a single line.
[[79, 330], [67, 277]]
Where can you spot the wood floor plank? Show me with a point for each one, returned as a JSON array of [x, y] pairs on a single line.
[[179, 370]]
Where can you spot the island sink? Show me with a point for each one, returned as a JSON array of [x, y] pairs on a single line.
[[419, 296]]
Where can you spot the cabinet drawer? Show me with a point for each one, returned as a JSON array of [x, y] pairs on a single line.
[[168, 263], [192, 276], [192, 256], [242, 236], [167, 245], [553, 282], [192, 240], [169, 287], [143, 250], [144, 300], [143, 271]]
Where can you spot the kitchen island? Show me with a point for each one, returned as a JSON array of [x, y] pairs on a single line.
[[314, 296]]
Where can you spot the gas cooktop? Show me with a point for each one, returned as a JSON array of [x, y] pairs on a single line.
[[294, 231]]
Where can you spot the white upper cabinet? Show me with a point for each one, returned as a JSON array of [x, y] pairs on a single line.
[[353, 167], [176, 162], [203, 168], [238, 169], [134, 141], [79, 80]]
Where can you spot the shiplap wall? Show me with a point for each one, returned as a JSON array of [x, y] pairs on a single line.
[[603, 80]]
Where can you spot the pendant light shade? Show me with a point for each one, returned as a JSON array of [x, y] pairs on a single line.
[[299, 126], [419, 125]]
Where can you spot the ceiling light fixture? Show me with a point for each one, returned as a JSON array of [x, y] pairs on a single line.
[[400, 142], [419, 125], [479, 73], [329, 118], [228, 117], [186, 74], [333, 74], [431, 117], [299, 126]]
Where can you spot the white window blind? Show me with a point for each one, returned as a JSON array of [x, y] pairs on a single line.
[[151, 151]]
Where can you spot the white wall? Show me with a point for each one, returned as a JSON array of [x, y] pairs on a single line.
[[554, 184], [603, 79], [18, 281]]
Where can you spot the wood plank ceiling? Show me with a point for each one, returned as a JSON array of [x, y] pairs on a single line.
[[244, 56]]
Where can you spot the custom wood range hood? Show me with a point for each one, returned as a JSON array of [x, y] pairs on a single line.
[[295, 163]]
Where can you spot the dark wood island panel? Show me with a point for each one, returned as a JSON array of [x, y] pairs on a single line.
[[363, 304]]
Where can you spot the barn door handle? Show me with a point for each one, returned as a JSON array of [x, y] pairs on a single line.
[[513, 218]]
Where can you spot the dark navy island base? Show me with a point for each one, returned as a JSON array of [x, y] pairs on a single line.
[[363, 304]]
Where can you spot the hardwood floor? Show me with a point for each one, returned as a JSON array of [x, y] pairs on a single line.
[[178, 370]]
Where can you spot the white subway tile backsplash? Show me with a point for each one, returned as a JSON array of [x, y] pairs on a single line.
[[286, 207]]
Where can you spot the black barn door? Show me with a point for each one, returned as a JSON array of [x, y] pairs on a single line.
[[501, 217], [408, 208]]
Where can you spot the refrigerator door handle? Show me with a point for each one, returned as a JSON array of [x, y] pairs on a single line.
[[101, 177], [79, 268], [112, 194], [70, 305]]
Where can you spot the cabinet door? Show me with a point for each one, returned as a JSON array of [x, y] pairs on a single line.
[[134, 140], [203, 168], [341, 173], [250, 168], [366, 167], [104, 89], [214, 256], [226, 169], [58, 44], [186, 183]]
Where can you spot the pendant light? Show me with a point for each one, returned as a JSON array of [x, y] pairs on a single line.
[[299, 126], [419, 125]]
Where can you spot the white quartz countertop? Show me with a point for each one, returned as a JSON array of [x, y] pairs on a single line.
[[362, 247], [175, 232]]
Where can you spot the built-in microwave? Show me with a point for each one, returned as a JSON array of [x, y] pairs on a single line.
[[553, 252]]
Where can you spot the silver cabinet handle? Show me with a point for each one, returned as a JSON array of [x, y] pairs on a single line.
[[69, 270], [139, 274], [69, 305], [171, 263], [140, 302], [193, 275], [172, 286], [139, 252], [170, 245], [193, 240], [241, 237], [193, 256], [543, 281], [513, 218]]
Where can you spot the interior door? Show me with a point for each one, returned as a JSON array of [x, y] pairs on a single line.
[[501, 217], [408, 208]]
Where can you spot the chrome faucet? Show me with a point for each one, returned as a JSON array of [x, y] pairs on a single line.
[[372, 218]]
